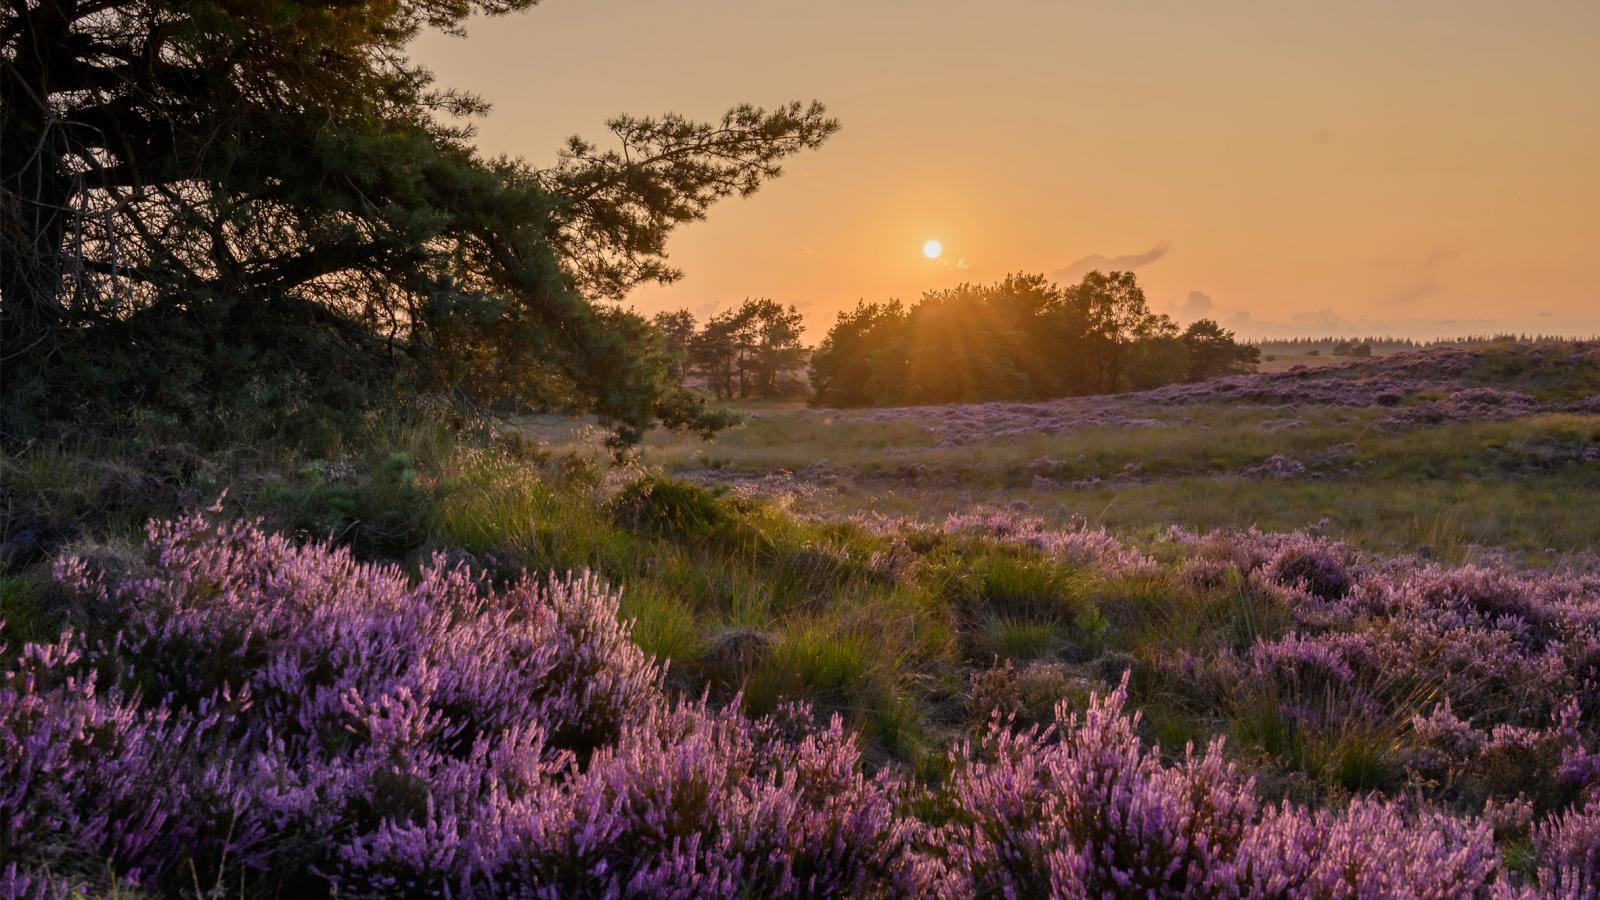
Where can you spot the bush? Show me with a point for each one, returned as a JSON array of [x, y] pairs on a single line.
[[1313, 566], [301, 692], [673, 508], [1082, 809]]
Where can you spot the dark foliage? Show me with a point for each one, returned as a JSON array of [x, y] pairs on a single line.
[[749, 352], [202, 200], [1022, 339]]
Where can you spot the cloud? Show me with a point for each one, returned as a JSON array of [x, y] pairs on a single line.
[[1426, 280], [1081, 267], [1197, 305]]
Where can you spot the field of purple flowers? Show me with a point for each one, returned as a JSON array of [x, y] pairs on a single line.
[[402, 679], [248, 714]]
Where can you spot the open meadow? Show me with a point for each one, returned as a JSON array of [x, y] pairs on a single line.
[[1449, 453]]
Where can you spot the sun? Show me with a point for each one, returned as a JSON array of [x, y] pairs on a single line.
[[932, 249]]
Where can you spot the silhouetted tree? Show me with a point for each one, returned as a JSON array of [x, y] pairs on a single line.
[[770, 347], [225, 189], [1114, 309], [714, 353], [1212, 351], [1020, 338], [863, 360], [750, 351], [1160, 357]]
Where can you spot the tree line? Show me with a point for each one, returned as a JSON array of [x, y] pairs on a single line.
[[753, 351], [1023, 338], [1387, 344]]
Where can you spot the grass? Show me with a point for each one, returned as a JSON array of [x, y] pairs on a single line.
[[1453, 490], [1454, 520], [1004, 638], [1190, 440], [692, 563]]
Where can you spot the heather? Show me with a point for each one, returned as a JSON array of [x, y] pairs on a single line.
[[440, 660], [370, 526], [282, 717], [266, 711], [1428, 387], [279, 715]]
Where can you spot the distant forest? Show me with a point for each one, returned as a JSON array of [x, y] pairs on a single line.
[[1023, 338], [1312, 346]]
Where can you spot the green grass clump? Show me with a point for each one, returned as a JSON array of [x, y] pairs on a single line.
[[379, 510], [1003, 638], [673, 508], [1014, 602]]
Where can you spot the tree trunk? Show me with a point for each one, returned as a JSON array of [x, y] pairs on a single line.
[[35, 191]]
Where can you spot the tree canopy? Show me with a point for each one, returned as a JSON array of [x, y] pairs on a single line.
[[1023, 338], [749, 351], [254, 186]]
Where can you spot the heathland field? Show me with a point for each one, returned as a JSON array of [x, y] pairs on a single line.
[[1448, 453], [392, 508], [1366, 599]]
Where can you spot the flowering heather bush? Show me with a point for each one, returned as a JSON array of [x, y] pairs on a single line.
[[1276, 466], [1468, 405], [1569, 852], [1081, 546], [249, 711], [1311, 565], [322, 723], [693, 802], [1090, 812], [1082, 810], [86, 774]]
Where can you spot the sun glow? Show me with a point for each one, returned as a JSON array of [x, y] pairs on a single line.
[[932, 249]]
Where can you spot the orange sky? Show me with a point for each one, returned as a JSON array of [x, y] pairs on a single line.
[[1420, 168]]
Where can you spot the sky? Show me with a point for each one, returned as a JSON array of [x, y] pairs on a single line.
[[1425, 169]]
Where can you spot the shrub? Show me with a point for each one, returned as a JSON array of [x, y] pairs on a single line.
[[303, 692], [1083, 810], [1026, 697], [1312, 565], [1568, 848], [673, 508]]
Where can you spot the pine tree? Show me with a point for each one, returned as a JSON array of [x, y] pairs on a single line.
[[231, 189]]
